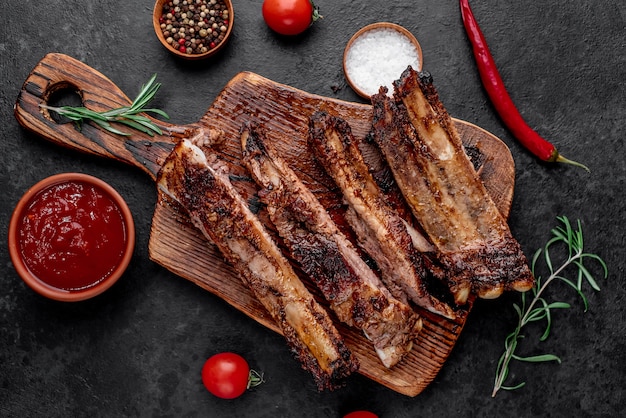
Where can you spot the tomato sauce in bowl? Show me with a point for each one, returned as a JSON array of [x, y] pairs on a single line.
[[71, 237]]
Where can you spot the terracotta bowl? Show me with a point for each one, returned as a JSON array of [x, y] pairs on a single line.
[[108, 269], [381, 62], [211, 49]]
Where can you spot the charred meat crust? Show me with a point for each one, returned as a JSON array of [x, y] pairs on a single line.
[[353, 290], [446, 196], [215, 207], [407, 163], [379, 229]]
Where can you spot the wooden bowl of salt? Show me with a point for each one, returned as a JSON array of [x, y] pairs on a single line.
[[377, 54]]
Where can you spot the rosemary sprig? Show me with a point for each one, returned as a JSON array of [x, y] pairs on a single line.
[[126, 115], [538, 308]]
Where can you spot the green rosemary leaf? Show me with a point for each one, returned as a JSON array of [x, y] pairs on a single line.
[[534, 290], [86, 113], [578, 289], [114, 113], [536, 314], [579, 280], [584, 272], [597, 258], [500, 378], [75, 113], [548, 317], [518, 386], [548, 328], [68, 113], [158, 112], [559, 305], [559, 235], [137, 118], [535, 258], [125, 115], [585, 300], [137, 126], [539, 309], [510, 342], [567, 225], [523, 307], [145, 87], [579, 236], [500, 363], [146, 94], [73, 116], [547, 259], [107, 126], [141, 124], [538, 359]]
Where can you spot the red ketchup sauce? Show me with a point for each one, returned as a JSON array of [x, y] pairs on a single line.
[[72, 235]]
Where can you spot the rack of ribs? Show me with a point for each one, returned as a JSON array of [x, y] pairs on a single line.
[[424, 151], [202, 187], [354, 292], [380, 230]]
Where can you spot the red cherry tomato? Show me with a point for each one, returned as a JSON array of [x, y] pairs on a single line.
[[361, 414], [226, 375], [289, 17]]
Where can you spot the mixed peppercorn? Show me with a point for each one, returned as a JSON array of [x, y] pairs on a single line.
[[194, 26]]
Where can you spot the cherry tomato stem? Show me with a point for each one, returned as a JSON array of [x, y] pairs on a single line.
[[227, 375]]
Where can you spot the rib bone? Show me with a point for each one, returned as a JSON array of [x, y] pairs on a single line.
[[355, 293], [215, 207], [446, 196], [381, 232]]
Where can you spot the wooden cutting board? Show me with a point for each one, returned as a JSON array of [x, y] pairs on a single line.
[[284, 112]]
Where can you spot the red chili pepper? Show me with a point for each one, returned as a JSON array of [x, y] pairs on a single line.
[[500, 98]]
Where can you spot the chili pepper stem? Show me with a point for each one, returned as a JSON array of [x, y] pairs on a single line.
[[561, 159]]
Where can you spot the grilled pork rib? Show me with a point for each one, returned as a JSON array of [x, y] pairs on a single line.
[[424, 151], [381, 232], [354, 292], [215, 207]]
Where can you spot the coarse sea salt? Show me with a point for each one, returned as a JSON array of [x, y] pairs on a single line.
[[378, 57]]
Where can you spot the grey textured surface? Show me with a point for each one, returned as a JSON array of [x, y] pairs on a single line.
[[138, 349]]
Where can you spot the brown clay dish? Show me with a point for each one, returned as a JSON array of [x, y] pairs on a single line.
[[158, 12], [101, 284]]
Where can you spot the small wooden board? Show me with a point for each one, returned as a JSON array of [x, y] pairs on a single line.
[[284, 112]]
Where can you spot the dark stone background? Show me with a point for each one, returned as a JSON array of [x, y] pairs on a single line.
[[138, 349]]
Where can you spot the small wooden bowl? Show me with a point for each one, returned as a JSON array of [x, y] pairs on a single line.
[[379, 71], [108, 273], [156, 23]]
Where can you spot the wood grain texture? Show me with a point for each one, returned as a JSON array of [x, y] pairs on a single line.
[[284, 113]]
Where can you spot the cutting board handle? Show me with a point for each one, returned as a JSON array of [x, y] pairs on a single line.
[[56, 72]]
